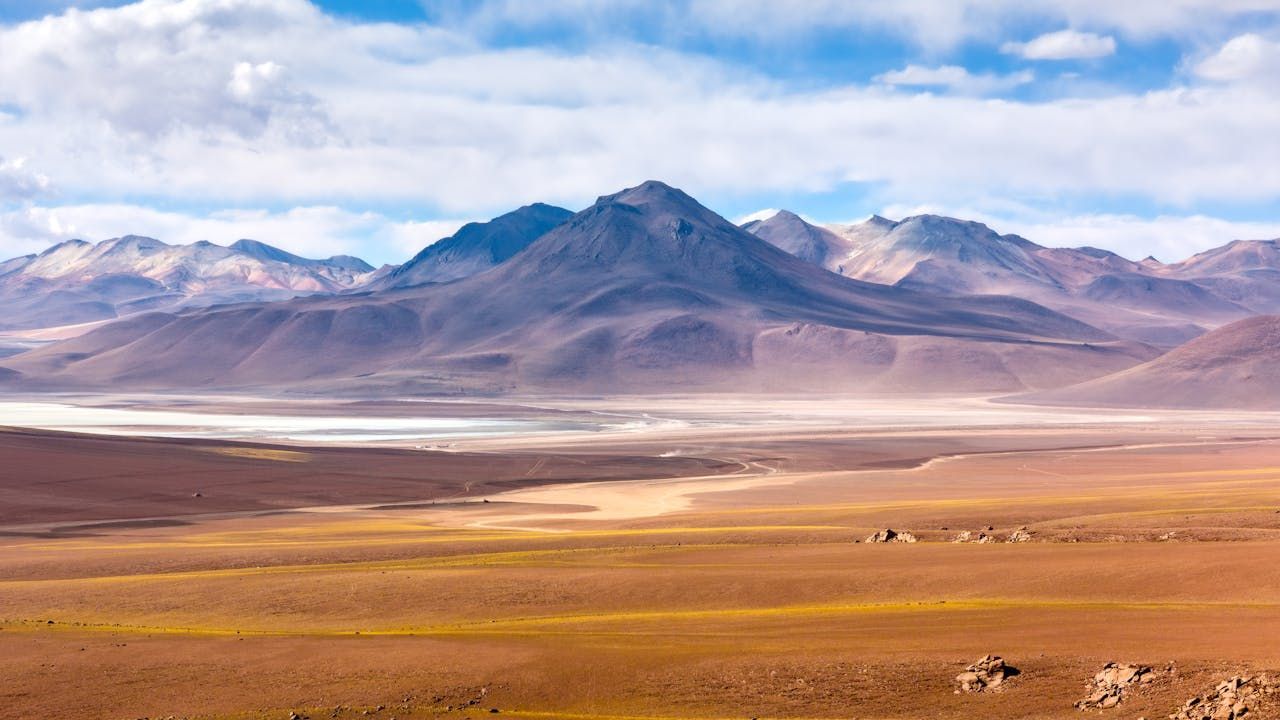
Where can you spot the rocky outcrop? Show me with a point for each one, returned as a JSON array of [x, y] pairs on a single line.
[[1108, 687], [1020, 535], [989, 673], [889, 535], [967, 536], [1232, 699]]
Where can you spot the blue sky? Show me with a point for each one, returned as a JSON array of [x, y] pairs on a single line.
[[374, 128]]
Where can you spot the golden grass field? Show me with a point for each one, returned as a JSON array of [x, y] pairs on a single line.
[[735, 595]]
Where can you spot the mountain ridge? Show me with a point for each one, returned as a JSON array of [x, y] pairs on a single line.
[[76, 281], [476, 246], [1146, 301]]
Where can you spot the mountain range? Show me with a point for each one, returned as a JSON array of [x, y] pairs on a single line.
[[79, 282], [1151, 302], [645, 291]]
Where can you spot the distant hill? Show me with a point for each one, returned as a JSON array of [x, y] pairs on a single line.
[[1233, 367], [78, 282]]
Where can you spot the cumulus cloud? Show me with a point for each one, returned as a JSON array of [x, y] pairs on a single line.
[[409, 238], [954, 78], [422, 118], [1063, 45], [764, 214], [1249, 57], [159, 66], [934, 24], [18, 182], [246, 103]]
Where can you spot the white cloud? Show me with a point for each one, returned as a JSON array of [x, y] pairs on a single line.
[[270, 102], [1063, 45], [764, 214], [409, 238], [954, 78], [17, 182], [308, 231], [1249, 57], [157, 65], [933, 24]]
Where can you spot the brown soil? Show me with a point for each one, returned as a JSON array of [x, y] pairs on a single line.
[[51, 477], [754, 601]]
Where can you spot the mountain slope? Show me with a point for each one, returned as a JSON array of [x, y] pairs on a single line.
[[477, 247], [77, 282], [1233, 367], [811, 243], [645, 290]]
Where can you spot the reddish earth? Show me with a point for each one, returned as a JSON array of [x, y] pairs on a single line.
[[750, 599]]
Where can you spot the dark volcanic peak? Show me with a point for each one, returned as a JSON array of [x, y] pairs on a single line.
[[477, 246], [658, 232], [652, 222], [657, 193]]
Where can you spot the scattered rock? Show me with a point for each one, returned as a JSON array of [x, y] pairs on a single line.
[[988, 673], [1232, 699], [892, 536], [1020, 535], [197, 494], [968, 536], [1108, 687]]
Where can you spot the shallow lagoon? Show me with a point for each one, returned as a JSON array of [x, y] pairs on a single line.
[[334, 428]]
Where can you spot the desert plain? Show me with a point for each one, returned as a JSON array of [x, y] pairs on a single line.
[[708, 560]]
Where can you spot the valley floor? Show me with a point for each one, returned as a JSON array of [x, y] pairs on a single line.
[[716, 574]]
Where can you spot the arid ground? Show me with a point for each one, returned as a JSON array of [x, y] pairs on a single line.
[[684, 570]]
